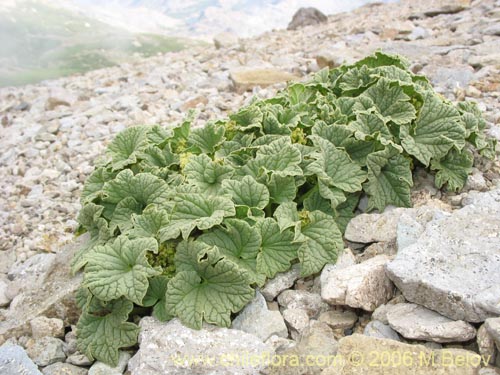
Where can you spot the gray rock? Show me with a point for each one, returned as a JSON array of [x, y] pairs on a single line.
[[15, 361], [258, 320], [453, 267], [476, 181], [297, 319], [418, 33], [486, 344], [79, 359], [492, 326], [4, 295], [64, 369], [46, 350], [165, 348], [33, 271], [345, 259], [363, 285], [450, 78], [418, 323], [280, 282], [42, 326], [489, 371], [368, 228], [420, 360], [280, 344], [99, 368], [339, 318], [301, 299], [306, 17], [493, 29], [446, 7], [317, 341], [383, 331], [53, 298]]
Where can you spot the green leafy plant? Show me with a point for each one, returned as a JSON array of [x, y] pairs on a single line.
[[187, 222]]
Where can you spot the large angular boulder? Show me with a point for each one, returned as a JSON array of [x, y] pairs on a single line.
[[453, 266], [53, 296], [362, 355], [172, 348], [418, 323]]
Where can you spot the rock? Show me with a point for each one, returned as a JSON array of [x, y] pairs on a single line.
[[316, 342], [42, 326], [256, 319], [486, 344], [53, 103], [165, 348], [247, 79], [301, 299], [54, 298], [380, 313], [33, 271], [493, 29], [368, 228], [5, 298], [64, 369], [339, 319], [383, 331], [418, 323], [450, 78], [453, 267], [489, 371], [356, 357], [225, 40], [363, 285], [46, 350], [492, 326], [100, 368], [280, 282], [418, 33], [279, 343], [378, 248], [297, 319], [15, 361], [476, 181], [71, 342], [447, 7], [491, 59], [306, 17], [79, 359]]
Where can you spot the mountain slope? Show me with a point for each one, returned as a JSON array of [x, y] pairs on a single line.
[[40, 41]]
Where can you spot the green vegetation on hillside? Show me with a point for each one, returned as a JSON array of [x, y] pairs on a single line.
[[41, 42]]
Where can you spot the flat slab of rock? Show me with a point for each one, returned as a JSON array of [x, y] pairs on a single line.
[[418, 323], [363, 355], [280, 282], [247, 79], [364, 285], [453, 266], [302, 299], [258, 320], [492, 326], [53, 297], [15, 361], [368, 228], [171, 348]]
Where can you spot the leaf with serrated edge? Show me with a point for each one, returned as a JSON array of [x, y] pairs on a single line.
[[214, 288], [321, 242], [247, 192], [100, 337], [120, 269], [207, 174], [287, 216], [238, 242], [336, 167], [195, 210], [391, 102], [437, 129], [122, 215], [149, 223], [281, 188], [207, 138], [453, 169], [143, 187], [389, 179], [277, 248], [94, 184], [127, 144]]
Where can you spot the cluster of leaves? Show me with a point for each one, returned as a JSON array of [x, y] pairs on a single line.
[[187, 222]]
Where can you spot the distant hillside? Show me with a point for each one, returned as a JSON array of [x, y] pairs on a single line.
[[41, 41]]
